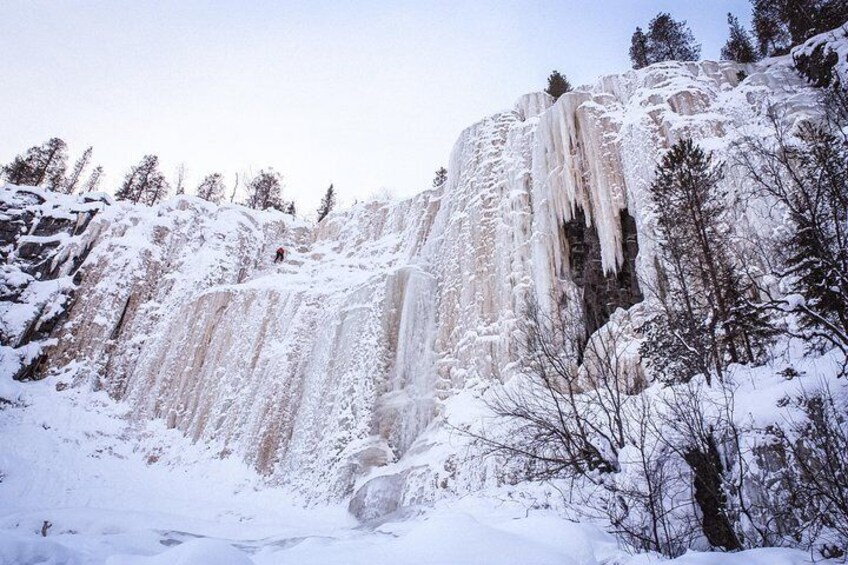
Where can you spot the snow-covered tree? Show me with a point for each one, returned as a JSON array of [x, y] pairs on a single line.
[[739, 46], [180, 179], [93, 182], [807, 173], [211, 188], [41, 165], [265, 191], [144, 184], [557, 85], [328, 202]]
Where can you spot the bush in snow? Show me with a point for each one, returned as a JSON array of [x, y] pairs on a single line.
[[441, 178]]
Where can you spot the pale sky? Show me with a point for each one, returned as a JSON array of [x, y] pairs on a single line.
[[366, 95]]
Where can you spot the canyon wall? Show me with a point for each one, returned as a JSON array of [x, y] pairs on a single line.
[[343, 371]]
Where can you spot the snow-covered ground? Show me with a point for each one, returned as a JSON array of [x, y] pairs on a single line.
[[83, 484]]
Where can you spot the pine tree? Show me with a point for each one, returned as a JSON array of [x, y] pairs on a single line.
[[211, 188], [781, 24], [42, 165], [739, 46], [327, 203], [265, 191], [806, 171], [670, 40], [93, 181], [144, 184], [441, 177], [76, 173], [639, 49], [707, 317], [819, 213], [557, 85], [770, 29]]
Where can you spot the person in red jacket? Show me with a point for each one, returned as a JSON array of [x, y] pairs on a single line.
[[281, 255]]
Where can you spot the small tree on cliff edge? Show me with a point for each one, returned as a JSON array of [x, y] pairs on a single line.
[[265, 191], [145, 183], [639, 49], [666, 40], [327, 203], [739, 46], [212, 188], [41, 165], [557, 85]]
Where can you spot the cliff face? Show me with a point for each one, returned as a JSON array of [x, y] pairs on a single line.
[[336, 372]]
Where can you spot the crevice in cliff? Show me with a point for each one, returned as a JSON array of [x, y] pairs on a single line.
[[602, 293]]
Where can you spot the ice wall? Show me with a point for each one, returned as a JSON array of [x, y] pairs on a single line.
[[344, 370]]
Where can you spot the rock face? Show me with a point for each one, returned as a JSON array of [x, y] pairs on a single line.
[[335, 373], [41, 247]]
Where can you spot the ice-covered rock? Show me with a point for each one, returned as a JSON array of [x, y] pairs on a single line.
[[337, 369]]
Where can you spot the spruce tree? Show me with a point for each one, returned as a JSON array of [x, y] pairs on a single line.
[[639, 49], [781, 24], [144, 183], [265, 191], [441, 177], [819, 241], [739, 46], [707, 318], [41, 165], [557, 85], [670, 40], [211, 188], [93, 182], [769, 28], [80, 165], [328, 202]]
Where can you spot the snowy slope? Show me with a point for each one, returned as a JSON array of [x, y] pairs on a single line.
[[109, 490]]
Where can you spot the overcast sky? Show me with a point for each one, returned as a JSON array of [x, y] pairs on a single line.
[[366, 95]]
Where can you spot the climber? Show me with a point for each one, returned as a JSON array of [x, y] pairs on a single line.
[[281, 255]]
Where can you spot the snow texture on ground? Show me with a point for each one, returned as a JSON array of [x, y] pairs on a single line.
[[105, 490]]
